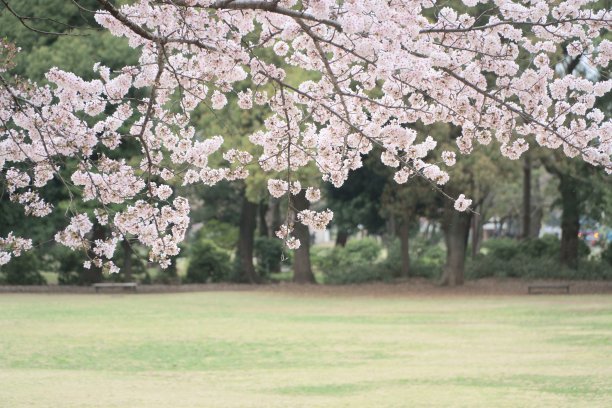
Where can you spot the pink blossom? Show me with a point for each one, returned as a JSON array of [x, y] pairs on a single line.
[[384, 72], [462, 203]]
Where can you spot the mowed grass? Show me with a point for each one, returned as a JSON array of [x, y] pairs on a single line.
[[274, 349]]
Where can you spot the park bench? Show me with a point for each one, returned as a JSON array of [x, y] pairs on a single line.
[[537, 289], [127, 285]]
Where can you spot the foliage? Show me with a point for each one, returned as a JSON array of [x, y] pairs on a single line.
[[354, 263], [207, 262], [527, 267], [69, 266], [269, 254], [355, 273], [167, 276], [532, 259], [503, 249], [426, 258], [365, 250], [357, 201], [223, 234], [347, 90], [546, 247], [23, 270], [606, 254]]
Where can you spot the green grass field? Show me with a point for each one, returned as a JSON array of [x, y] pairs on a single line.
[[275, 349]]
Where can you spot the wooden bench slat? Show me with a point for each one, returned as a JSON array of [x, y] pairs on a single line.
[[542, 288]]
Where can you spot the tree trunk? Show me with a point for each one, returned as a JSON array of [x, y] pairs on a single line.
[[475, 235], [341, 237], [538, 213], [526, 230], [391, 226], [302, 271], [536, 222], [405, 242], [246, 235], [275, 221], [263, 224], [456, 226], [500, 231], [511, 228], [127, 260], [570, 220]]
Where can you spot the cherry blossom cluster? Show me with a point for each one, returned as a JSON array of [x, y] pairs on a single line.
[[376, 72], [161, 229], [284, 233], [462, 203], [12, 246], [316, 220]]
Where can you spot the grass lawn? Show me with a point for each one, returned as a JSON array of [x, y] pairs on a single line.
[[276, 349]]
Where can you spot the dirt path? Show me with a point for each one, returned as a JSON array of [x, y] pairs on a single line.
[[411, 287]]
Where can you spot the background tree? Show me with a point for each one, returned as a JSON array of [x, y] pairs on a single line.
[[357, 201]]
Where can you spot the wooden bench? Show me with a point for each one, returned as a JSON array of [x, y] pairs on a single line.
[[127, 285], [537, 289]]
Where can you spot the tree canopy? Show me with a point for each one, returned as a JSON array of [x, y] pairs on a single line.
[[371, 71]]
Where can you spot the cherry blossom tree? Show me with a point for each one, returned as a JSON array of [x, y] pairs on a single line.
[[487, 67]]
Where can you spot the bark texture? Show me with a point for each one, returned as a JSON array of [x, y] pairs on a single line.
[[263, 224], [526, 230], [246, 236], [127, 260], [570, 220], [405, 248], [456, 227], [341, 238], [302, 270]]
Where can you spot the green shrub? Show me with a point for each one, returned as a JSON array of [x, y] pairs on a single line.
[[366, 249], [355, 263], [426, 259], [320, 256], [223, 234], [519, 266], [606, 254], [69, 265], [527, 267], [355, 252], [484, 266], [501, 248], [531, 259], [167, 276], [357, 273], [207, 262], [268, 252], [592, 269], [424, 270], [23, 270], [546, 247], [583, 249]]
